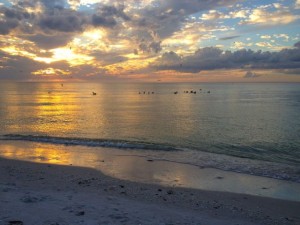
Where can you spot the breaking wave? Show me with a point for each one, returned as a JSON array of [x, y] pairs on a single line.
[[109, 143]]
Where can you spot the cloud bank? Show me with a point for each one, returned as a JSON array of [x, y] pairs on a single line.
[[212, 58], [132, 38]]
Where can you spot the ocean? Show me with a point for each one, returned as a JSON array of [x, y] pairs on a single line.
[[251, 128]]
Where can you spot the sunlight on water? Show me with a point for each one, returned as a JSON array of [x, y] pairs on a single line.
[[257, 121], [136, 167]]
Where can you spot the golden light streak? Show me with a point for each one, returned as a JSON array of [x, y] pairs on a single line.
[[51, 72], [66, 54], [129, 66], [14, 50]]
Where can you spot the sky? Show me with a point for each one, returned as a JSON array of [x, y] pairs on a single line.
[[150, 40]]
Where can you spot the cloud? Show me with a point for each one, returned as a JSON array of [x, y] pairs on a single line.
[[7, 26], [49, 41], [106, 16], [213, 15], [297, 4], [250, 74], [297, 45], [17, 67], [62, 20], [261, 16], [229, 37], [211, 58], [121, 37]]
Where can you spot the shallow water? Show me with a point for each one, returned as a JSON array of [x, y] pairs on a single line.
[[250, 121], [145, 166]]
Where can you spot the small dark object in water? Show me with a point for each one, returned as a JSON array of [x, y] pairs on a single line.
[[81, 213], [150, 160], [15, 222], [170, 192], [94, 93], [176, 92]]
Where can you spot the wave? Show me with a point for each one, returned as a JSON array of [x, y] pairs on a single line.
[[110, 143], [194, 157]]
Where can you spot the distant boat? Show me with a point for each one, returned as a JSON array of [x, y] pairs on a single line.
[[94, 93], [176, 92]]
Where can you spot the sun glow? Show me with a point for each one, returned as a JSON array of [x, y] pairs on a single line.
[[66, 54]]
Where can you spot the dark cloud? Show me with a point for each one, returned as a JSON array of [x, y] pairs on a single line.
[[229, 38], [55, 17], [159, 21], [211, 58], [297, 45], [106, 16], [51, 4], [154, 47], [103, 21], [12, 18], [7, 26], [17, 67], [108, 58], [193, 6], [62, 20], [48, 41]]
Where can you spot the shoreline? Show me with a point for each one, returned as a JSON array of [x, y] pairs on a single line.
[[153, 168], [54, 194], [203, 159]]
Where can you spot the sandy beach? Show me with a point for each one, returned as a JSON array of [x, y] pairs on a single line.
[[47, 194]]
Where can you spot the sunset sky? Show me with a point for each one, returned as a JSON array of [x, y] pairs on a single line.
[[150, 40]]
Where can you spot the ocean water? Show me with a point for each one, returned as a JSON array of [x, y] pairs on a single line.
[[252, 128]]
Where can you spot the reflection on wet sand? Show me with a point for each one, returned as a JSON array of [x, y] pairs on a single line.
[[138, 167]]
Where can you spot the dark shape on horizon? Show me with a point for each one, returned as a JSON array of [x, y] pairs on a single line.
[[229, 37], [62, 85], [49, 92], [15, 222], [176, 92], [208, 92], [94, 93]]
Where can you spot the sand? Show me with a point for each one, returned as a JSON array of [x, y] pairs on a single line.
[[47, 194]]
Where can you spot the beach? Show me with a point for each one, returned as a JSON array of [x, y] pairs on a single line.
[[48, 194]]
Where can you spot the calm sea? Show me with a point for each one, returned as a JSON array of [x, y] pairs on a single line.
[[243, 121]]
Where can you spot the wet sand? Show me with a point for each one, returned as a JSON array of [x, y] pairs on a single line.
[[47, 194]]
